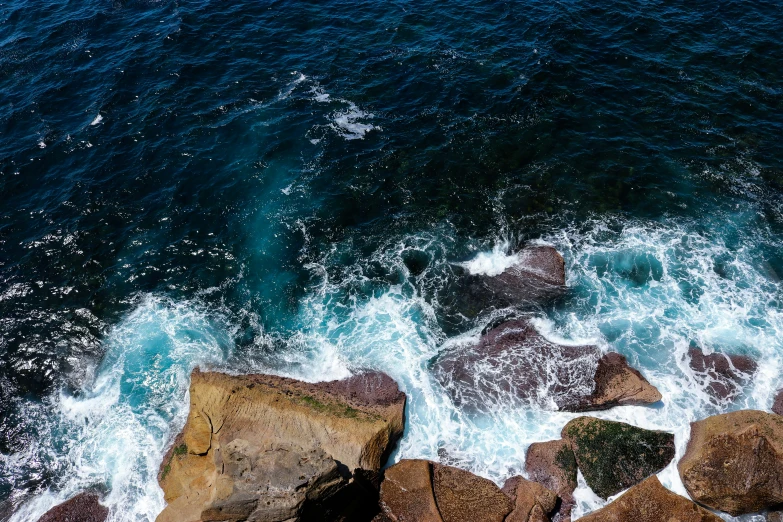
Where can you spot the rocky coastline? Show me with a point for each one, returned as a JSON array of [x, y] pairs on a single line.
[[264, 448]]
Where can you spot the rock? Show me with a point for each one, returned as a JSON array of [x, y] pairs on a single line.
[[722, 375], [651, 502], [553, 465], [775, 516], [424, 491], [734, 461], [406, 492], [777, 405], [537, 276], [84, 507], [617, 384], [532, 502], [268, 448], [462, 496], [513, 362], [613, 456]]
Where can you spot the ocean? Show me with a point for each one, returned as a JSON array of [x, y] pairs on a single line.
[[291, 187]]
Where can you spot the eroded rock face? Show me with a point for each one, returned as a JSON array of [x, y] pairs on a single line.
[[424, 491], [264, 448], [777, 405], [84, 507], [532, 502], [651, 502], [553, 465], [537, 276], [513, 362], [722, 375], [613, 456], [734, 462]]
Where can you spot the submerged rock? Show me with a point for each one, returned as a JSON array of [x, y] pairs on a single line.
[[84, 507], [777, 405], [722, 375], [266, 448], [734, 461], [553, 465], [651, 502], [537, 276], [613, 456], [424, 491], [532, 502], [514, 362]]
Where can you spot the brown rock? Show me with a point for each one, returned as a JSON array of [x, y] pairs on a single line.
[[734, 461], [553, 465], [617, 384], [514, 362], [777, 405], [775, 516], [84, 507], [651, 502], [722, 375], [532, 502], [264, 448], [406, 493], [538, 276], [613, 456], [462, 496]]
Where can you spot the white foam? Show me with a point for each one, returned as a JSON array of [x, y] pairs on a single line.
[[347, 123], [97, 120], [492, 263]]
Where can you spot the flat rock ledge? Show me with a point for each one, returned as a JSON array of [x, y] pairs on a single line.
[[651, 502], [272, 449], [84, 507], [512, 362], [734, 462]]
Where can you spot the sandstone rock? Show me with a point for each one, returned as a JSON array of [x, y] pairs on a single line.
[[734, 462], [424, 491], [722, 375], [651, 502], [614, 456], [406, 492], [462, 496], [513, 362], [775, 516], [537, 276], [532, 502], [265, 448], [553, 465], [84, 507]]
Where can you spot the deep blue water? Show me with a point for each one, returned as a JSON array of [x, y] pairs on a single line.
[[287, 186]]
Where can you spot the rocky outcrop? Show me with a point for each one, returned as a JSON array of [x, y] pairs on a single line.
[[84, 507], [734, 462], [775, 516], [513, 362], [537, 276], [651, 502], [424, 491], [723, 376], [553, 465], [613, 456], [266, 448], [777, 404], [532, 502]]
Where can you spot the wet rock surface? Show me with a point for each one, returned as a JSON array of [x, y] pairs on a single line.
[[84, 507], [553, 465], [651, 502], [537, 276], [266, 448], [613, 456], [513, 362], [777, 404], [722, 375], [734, 461]]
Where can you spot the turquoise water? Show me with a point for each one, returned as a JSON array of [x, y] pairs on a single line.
[[293, 187]]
